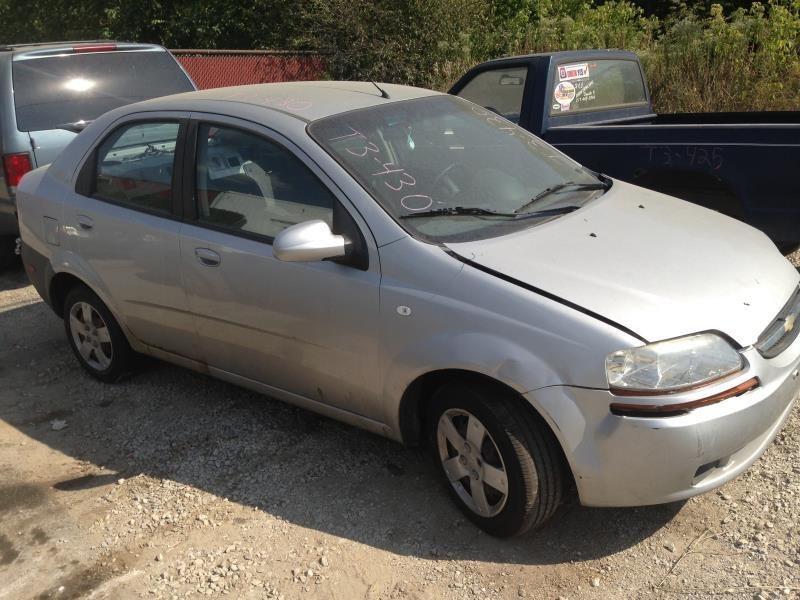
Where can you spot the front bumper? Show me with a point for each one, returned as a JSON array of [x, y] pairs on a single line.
[[633, 461]]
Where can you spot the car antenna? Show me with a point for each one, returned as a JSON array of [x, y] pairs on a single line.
[[380, 89]]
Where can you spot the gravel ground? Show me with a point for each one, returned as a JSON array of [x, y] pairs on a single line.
[[174, 485]]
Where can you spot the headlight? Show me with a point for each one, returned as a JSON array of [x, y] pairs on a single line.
[[673, 365]]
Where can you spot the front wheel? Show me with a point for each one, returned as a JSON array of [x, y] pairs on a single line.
[[501, 462], [95, 336]]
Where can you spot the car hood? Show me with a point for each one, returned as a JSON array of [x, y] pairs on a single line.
[[656, 265]]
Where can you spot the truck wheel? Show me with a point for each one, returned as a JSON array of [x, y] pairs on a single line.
[[502, 464], [95, 336]]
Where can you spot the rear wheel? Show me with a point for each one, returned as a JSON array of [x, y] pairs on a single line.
[[95, 336], [502, 465]]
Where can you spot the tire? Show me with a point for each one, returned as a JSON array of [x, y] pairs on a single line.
[[95, 336], [517, 451]]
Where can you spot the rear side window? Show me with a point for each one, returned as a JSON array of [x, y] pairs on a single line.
[[499, 90], [597, 85], [58, 90], [135, 166]]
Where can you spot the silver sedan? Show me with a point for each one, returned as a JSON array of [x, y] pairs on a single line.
[[413, 264]]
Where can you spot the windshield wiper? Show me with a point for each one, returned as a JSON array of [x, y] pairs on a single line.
[[451, 211], [567, 184]]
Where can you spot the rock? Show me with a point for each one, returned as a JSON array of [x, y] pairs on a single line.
[[596, 582], [159, 557], [324, 561], [669, 546], [58, 424]]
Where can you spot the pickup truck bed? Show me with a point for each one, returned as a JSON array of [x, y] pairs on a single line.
[[741, 164]]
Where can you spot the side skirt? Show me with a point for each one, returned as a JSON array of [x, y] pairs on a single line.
[[326, 410]]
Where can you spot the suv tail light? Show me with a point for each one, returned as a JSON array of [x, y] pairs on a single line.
[[14, 167]]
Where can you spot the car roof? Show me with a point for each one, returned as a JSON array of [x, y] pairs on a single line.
[[566, 54], [45, 49], [305, 100]]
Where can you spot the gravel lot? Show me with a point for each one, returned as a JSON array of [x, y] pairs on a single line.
[[174, 485]]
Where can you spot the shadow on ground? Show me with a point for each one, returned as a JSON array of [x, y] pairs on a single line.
[[177, 425], [13, 278]]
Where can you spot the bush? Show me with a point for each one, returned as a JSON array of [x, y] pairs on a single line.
[[748, 62], [414, 42]]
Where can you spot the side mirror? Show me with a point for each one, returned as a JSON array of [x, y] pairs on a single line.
[[307, 242]]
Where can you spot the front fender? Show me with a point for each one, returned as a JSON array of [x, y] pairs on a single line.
[[476, 352]]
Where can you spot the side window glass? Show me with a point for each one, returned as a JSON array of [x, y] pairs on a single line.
[[135, 166], [246, 183], [500, 90]]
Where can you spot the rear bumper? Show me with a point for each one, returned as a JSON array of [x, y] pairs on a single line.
[[631, 461], [37, 266]]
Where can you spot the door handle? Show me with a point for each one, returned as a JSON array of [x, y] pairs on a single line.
[[85, 222], [207, 257]]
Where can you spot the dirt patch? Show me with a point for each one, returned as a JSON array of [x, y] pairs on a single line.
[[21, 495], [82, 581], [8, 553]]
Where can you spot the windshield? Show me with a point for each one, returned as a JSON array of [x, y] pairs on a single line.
[[443, 152], [57, 90]]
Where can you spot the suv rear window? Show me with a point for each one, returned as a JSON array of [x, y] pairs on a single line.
[[596, 85], [56, 90]]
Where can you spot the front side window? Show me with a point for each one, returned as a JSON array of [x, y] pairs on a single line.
[[135, 166], [499, 90], [246, 183], [597, 85], [431, 160]]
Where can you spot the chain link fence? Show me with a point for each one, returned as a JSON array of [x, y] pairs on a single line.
[[220, 68]]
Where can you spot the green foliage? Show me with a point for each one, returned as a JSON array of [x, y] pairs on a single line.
[[698, 54], [750, 61], [414, 41], [173, 23], [609, 25]]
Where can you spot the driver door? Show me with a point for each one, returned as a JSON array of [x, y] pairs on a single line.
[[308, 328]]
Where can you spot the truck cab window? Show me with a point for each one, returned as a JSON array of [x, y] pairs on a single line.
[[596, 85], [499, 90]]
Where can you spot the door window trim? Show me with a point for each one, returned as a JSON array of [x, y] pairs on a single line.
[[189, 191], [86, 181]]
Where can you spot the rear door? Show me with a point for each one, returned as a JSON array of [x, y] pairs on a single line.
[[308, 328], [123, 221]]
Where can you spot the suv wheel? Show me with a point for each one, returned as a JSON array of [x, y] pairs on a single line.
[[501, 462], [95, 336]]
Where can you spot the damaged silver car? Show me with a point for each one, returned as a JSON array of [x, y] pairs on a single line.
[[420, 267]]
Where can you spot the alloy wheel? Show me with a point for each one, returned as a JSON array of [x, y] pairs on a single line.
[[472, 462], [91, 336]]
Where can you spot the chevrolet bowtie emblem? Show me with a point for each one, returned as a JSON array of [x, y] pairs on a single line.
[[788, 323]]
